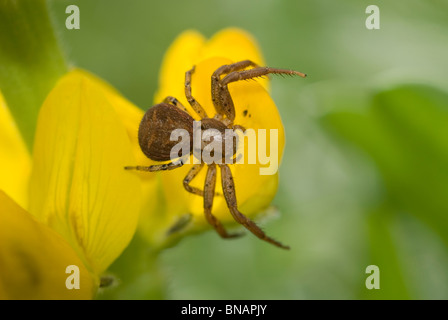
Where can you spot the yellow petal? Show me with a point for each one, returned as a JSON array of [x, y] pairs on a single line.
[[15, 162], [236, 45], [179, 58], [34, 259], [129, 114], [190, 48], [78, 185]]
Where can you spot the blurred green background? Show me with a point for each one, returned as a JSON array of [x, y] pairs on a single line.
[[364, 178]]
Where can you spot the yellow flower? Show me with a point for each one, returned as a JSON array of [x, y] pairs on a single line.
[[83, 207], [15, 161], [254, 109], [34, 258]]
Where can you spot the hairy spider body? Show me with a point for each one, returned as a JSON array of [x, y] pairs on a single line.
[[156, 127], [160, 120]]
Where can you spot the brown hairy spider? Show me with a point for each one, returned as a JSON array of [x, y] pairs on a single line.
[[160, 120]]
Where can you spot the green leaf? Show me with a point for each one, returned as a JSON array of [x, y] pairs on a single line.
[[384, 254], [30, 60], [405, 131]]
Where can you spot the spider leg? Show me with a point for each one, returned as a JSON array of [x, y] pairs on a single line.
[[157, 167], [209, 193], [222, 91], [192, 101], [239, 127], [190, 176], [175, 102], [225, 106], [228, 187], [257, 72], [194, 171]]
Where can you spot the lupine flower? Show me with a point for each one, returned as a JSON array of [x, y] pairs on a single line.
[[82, 207]]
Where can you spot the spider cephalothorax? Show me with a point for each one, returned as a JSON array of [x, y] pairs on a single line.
[[159, 122]]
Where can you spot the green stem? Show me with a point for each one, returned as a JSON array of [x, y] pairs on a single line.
[[30, 60], [135, 275]]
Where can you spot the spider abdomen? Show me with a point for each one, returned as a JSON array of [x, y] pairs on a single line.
[[156, 127]]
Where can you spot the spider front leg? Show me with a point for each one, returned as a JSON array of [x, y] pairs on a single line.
[[209, 193], [220, 92], [173, 101], [225, 106], [228, 187], [192, 101]]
